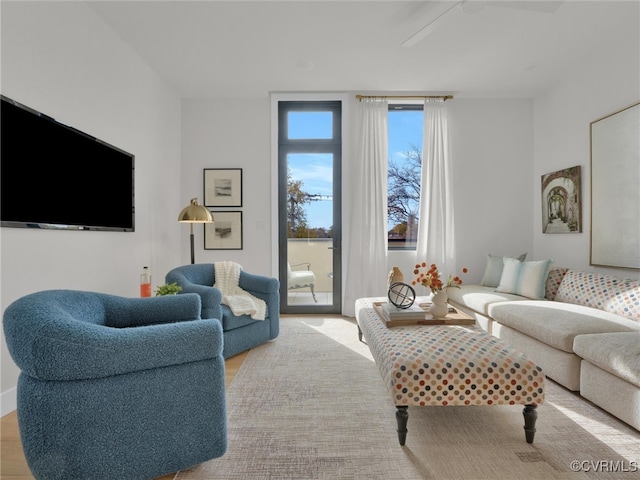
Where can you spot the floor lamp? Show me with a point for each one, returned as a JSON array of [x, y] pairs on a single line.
[[194, 213]]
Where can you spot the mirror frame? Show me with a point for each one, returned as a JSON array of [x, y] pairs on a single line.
[[615, 190]]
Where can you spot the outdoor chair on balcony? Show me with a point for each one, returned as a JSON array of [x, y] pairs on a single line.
[[301, 278]]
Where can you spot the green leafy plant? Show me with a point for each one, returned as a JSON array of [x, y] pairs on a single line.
[[168, 289]]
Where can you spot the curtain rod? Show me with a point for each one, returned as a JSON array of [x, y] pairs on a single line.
[[413, 97]]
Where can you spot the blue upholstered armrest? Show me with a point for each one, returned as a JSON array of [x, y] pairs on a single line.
[[135, 312], [199, 278], [257, 283], [211, 296], [69, 331]]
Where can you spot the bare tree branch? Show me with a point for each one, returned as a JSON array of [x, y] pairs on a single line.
[[404, 187]]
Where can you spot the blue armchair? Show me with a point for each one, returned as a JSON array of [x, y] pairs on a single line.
[[240, 332], [113, 387]]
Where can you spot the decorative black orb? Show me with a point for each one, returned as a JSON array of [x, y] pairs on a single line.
[[401, 295]]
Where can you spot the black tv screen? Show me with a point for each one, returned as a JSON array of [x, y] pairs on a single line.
[[55, 176]]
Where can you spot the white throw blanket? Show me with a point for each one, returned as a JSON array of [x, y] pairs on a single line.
[[238, 300]]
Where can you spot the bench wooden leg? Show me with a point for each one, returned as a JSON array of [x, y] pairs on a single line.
[[402, 415], [530, 416]]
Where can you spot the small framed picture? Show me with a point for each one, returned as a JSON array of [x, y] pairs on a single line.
[[223, 187], [225, 233]]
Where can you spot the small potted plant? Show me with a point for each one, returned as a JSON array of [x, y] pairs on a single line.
[[168, 289]]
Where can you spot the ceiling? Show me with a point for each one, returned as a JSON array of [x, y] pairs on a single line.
[[211, 48]]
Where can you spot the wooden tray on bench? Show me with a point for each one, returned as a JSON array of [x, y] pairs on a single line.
[[453, 317]]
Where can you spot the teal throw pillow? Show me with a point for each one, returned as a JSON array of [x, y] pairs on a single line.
[[493, 269], [527, 279]]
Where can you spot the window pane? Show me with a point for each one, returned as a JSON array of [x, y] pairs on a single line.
[[310, 195], [310, 228], [309, 125], [405, 170]]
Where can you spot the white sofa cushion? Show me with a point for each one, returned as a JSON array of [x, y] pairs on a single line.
[[557, 324], [610, 392], [616, 353], [478, 297]]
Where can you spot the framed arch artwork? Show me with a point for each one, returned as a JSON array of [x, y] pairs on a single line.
[[562, 201]]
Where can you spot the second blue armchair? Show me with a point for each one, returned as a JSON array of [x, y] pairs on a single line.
[[240, 332]]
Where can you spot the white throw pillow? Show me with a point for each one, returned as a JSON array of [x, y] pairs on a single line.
[[493, 269], [527, 279]]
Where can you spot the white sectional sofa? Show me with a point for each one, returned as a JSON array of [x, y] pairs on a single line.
[[583, 330]]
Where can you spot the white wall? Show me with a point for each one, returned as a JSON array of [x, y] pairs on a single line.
[[606, 82], [62, 60], [232, 133], [492, 148], [492, 152]]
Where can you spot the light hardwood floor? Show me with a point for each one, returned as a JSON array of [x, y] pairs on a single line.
[[13, 465]]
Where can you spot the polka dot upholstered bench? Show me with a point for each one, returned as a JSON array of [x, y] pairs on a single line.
[[449, 365]]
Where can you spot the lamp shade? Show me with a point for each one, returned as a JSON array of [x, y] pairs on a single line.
[[195, 213]]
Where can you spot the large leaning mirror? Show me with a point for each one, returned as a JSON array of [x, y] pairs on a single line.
[[615, 189]]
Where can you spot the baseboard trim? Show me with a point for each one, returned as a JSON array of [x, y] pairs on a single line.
[[8, 401]]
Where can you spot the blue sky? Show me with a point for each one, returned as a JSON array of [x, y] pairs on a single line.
[[316, 170]]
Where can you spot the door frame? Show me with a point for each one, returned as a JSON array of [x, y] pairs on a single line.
[[283, 147]]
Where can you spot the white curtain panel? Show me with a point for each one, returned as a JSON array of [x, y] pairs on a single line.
[[436, 243], [366, 257]]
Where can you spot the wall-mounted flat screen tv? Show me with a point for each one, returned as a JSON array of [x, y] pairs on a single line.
[[55, 176]]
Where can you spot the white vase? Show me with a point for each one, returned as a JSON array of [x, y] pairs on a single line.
[[395, 276], [439, 307]]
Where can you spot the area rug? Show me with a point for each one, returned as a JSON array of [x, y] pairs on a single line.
[[312, 405]]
